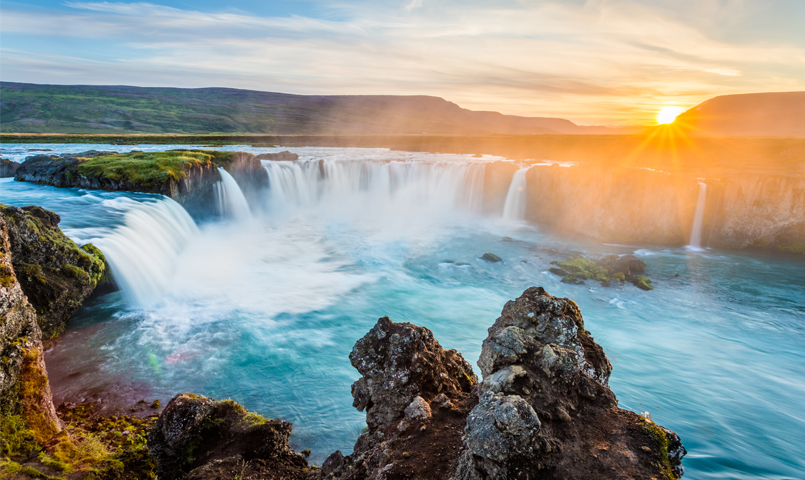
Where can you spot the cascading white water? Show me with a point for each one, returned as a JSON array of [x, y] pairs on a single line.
[[514, 207], [698, 218], [377, 186], [142, 252], [231, 201]]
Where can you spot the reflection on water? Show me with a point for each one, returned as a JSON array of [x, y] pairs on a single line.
[[265, 310]]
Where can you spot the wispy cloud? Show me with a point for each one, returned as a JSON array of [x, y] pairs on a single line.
[[595, 61]]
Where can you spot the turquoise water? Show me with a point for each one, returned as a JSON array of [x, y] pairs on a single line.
[[265, 311]]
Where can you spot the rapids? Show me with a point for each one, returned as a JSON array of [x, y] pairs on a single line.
[[264, 308]]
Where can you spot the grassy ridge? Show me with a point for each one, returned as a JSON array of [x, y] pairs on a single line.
[[147, 169]]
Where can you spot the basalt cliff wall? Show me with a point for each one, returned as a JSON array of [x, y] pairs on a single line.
[[638, 205]]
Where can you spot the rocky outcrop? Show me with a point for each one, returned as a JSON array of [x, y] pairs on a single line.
[[55, 274], [186, 176], [545, 410], [26, 406], [199, 438], [416, 396], [8, 168], [284, 155], [605, 270]]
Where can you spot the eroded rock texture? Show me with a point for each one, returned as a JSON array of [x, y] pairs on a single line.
[[545, 410], [416, 396], [199, 438], [55, 274], [24, 388]]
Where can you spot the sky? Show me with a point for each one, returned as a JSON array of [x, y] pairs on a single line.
[[603, 62]]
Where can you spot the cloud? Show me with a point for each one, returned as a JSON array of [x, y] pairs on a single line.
[[594, 61]]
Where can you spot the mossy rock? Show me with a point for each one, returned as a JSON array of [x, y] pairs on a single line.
[[642, 283]]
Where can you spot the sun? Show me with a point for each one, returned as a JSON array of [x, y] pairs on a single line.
[[668, 114]]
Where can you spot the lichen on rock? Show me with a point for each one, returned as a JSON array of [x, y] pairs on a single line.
[[55, 274], [195, 434], [545, 405]]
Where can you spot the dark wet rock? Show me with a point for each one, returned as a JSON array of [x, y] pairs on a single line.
[[545, 409], [491, 257], [200, 438], [8, 168], [56, 274], [284, 155], [416, 396], [605, 270]]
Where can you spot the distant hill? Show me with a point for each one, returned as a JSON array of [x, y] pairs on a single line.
[[32, 108], [759, 114]]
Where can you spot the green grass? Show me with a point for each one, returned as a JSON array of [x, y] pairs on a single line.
[[146, 169]]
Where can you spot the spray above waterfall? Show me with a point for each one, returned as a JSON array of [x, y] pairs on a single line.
[[698, 218]]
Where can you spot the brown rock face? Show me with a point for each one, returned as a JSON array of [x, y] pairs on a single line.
[[416, 396], [198, 438], [545, 410], [56, 274], [24, 388]]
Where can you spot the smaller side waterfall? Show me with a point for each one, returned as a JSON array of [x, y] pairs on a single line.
[[231, 201], [698, 218], [514, 208]]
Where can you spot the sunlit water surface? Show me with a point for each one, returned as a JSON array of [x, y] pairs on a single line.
[[265, 309]]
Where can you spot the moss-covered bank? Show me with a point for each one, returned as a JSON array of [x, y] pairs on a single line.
[[186, 176], [56, 274]]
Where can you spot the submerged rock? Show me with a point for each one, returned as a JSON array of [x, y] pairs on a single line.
[[545, 410], [491, 257], [56, 274], [200, 438]]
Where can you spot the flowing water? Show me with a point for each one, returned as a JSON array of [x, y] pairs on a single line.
[[230, 199], [514, 207], [698, 218], [265, 309]]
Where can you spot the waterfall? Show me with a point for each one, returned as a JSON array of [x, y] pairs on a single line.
[[514, 208], [143, 251], [231, 201], [698, 218], [375, 185]]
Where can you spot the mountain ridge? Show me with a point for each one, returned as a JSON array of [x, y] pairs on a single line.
[[37, 108]]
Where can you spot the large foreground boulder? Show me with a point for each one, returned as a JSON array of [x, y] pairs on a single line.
[[55, 274], [199, 438], [416, 395], [545, 409]]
